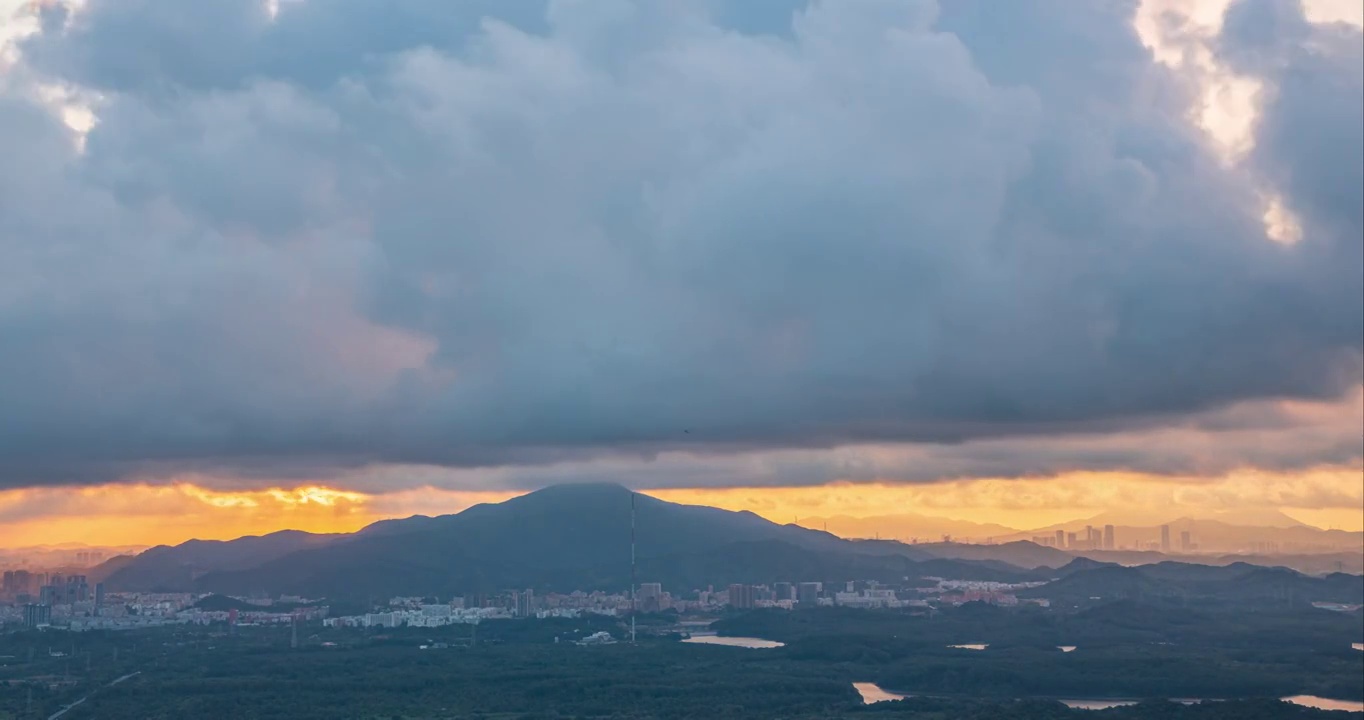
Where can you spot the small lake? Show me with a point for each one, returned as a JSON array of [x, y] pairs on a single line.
[[1096, 704], [1066, 648], [1322, 703], [972, 646], [743, 642], [1357, 646], [872, 693]]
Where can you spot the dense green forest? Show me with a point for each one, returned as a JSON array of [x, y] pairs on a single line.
[[533, 669], [1125, 649]]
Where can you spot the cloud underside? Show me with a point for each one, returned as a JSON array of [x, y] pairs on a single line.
[[484, 234]]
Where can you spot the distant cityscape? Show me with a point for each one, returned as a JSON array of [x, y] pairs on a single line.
[[488, 595], [1164, 538], [70, 602], [524, 566], [68, 598], [1106, 539]]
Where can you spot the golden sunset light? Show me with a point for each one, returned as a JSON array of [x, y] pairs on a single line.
[[144, 514], [1327, 497]]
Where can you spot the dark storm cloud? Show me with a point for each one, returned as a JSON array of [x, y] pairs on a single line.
[[1310, 142], [165, 46], [489, 233]]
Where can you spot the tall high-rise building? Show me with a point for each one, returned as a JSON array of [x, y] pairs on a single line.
[[525, 603], [1089, 538], [51, 592], [1072, 540], [1165, 538], [784, 591], [36, 614], [1109, 539], [1060, 538], [99, 597], [1185, 541], [741, 596], [76, 590], [807, 593], [650, 597], [24, 581]]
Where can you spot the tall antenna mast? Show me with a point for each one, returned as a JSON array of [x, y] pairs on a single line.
[[632, 567]]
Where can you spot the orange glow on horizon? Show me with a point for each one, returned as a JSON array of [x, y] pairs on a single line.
[[1331, 497], [167, 514], [148, 514]]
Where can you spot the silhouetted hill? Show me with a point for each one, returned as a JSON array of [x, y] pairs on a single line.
[[1320, 563], [1079, 564], [992, 570], [102, 571], [223, 603], [577, 537], [1239, 583], [174, 568]]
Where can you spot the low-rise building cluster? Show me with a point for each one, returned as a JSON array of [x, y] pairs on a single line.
[[75, 607]]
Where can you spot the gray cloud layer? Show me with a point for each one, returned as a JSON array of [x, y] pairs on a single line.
[[480, 233]]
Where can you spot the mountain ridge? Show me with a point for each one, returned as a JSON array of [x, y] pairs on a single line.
[[571, 537], [565, 537]]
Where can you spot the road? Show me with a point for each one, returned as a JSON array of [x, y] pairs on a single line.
[[67, 708], [125, 677]]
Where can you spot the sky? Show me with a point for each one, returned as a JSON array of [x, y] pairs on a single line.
[[313, 263]]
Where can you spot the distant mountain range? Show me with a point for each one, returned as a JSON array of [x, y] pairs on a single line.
[[1240, 531], [564, 537], [907, 527], [575, 537], [1246, 517], [1087, 580], [1216, 535], [179, 566], [64, 556]]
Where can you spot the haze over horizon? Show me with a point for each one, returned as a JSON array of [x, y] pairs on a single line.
[[325, 511], [311, 265]]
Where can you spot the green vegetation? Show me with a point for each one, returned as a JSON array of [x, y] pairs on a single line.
[[1127, 649], [532, 669]]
